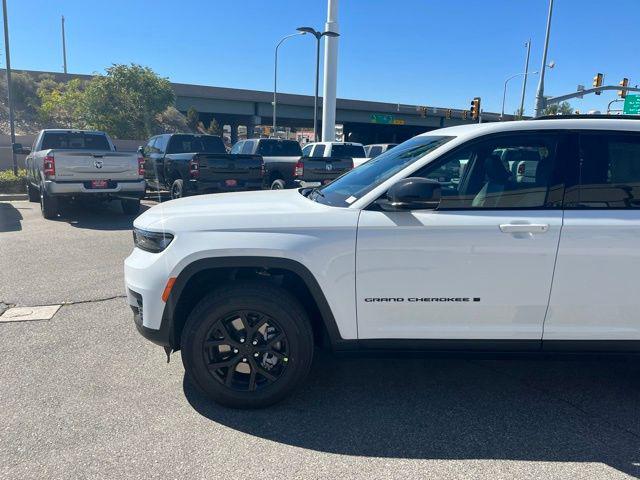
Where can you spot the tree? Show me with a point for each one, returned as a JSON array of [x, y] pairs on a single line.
[[562, 109], [193, 118], [214, 128], [126, 101], [63, 104], [172, 121]]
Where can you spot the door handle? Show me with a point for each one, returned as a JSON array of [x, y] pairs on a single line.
[[524, 227]]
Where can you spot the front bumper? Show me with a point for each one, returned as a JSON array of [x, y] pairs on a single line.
[[121, 189]]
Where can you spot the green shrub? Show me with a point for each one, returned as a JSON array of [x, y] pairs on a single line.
[[10, 183]]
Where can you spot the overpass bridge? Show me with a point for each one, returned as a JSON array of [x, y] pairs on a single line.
[[362, 120]]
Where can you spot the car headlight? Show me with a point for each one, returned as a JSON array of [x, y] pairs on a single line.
[[153, 242]]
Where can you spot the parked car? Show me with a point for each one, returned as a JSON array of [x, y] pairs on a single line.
[[188, 164], [65, 164], [433, 246], [317, 171], [279, 156], [351, 150], [372, 151]]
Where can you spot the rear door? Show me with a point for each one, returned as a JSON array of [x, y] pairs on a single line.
[[480, 266], [595, 296]]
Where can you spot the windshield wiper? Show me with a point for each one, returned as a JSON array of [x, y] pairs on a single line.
[[317, 191]]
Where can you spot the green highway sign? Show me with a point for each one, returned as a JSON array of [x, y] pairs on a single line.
[[384, 119], [632, 105]]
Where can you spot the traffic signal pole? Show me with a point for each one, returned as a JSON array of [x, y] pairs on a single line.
[[580, 93]]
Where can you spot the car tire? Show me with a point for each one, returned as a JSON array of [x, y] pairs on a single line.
[[48, 205], [256, 368], [278, 185], [33, 193], [177, 189], [130, 207]]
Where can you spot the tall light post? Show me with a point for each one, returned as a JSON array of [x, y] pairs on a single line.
[[64, 48], [9, 100], [330, 82], [318, 36], [275, 75], [524, 78], [540, 103], [504, 94]]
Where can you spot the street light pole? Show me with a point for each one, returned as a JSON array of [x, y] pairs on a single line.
[[540, 103], [275, 76], [524, 80], [64, 48], [9, 100], [329, 84], [318, 35], [504, 94]]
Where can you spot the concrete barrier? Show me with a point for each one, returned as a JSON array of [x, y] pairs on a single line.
[[6, 160]]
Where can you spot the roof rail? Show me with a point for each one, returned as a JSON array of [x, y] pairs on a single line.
[[598, 116]]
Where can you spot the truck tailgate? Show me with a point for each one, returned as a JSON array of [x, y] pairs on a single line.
[[225, 166], [324, 169], [74, 165]]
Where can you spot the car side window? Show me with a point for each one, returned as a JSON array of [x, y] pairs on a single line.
[[504, 172], [237, 148], [319, 150], [161, 143], [148, 148], [306, 151], [609, 172], [247, 148], [374, 151]]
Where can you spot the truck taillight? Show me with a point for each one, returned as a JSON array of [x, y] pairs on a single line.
[[49, 166], [140, 166], [194, 168], [299, 170]]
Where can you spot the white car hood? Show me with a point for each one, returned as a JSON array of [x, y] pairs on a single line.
[[268, 209]]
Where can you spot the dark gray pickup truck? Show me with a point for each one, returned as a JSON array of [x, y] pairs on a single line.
[[189, 164]]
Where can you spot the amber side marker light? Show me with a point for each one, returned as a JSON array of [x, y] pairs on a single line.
[[167, 289]]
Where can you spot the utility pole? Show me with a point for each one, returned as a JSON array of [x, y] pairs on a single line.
[[540, 102], [330, 73], [9, 100], [64, 48], [524, 80]]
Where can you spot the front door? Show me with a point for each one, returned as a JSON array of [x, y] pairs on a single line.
[[481, 265]]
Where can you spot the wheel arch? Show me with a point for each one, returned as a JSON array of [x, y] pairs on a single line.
[[203, 275]]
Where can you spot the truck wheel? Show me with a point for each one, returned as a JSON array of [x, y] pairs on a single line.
[[34, 194], [247, 345], [130, 207], [177, 189], [278, 185], [48, 205]]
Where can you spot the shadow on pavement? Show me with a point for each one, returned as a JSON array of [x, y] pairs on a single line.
[[97, 215], [543, 409], [10, 218]]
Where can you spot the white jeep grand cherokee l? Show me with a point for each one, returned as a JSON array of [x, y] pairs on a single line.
[[435, 244]]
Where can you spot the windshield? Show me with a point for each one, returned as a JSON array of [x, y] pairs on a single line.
[[342, 150], [359, 181], [196, 144], [75, 140], [279, 148]]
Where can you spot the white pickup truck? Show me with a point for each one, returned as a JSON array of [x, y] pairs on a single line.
[[351, 150], [82, 163], [434, 245]]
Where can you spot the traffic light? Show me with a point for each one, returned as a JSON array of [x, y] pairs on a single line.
[[464, 114], [422, 111], [623, 83], [597, 81], [475, 108], [448, 114]]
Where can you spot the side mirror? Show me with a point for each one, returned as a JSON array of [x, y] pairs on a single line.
[[18, 149], [414, 194]]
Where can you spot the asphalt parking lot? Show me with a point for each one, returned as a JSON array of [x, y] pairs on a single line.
[[84, 396]]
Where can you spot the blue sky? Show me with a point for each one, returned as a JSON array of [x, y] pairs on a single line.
[[426, 52]]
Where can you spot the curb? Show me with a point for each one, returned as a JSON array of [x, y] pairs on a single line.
[[11, 197]]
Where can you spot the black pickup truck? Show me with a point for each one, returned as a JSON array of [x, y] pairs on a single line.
[[318, 171], [189, 164]]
